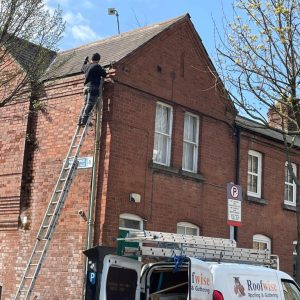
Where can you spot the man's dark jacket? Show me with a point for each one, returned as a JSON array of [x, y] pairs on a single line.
[[93, 73]]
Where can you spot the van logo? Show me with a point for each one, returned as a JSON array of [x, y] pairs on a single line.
[[239, 289]]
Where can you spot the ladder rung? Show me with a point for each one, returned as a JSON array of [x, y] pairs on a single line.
[[63, 179], [29, 277], [49, 215], [75, 146], [45, 226], [58, 191], [54, 202]]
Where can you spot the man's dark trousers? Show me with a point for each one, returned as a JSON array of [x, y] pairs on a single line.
[[91, 95]]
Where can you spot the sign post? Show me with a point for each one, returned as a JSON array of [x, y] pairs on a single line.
[[234, 204]]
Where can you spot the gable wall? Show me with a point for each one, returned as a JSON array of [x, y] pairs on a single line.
[[168, 197]]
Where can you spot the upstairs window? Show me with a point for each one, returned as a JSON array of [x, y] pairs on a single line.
[[163, 133], [187, 228], [190, 143], [254, 173], [261, 242], [290, 188]]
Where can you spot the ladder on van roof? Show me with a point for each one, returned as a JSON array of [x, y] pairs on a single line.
[[153, 244], [53, 210]]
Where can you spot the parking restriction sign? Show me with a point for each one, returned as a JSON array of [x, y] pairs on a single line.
[[234, 208]]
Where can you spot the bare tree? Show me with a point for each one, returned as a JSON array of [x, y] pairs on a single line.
[[29, 35], [259, 59]]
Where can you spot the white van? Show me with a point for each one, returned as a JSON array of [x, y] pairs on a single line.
[[197, 277]]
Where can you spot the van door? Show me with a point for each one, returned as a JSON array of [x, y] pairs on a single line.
[[120, 279], [200, 280]]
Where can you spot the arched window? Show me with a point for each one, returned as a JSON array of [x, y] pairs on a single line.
[[261, 242], [187, 228], [130, 221]]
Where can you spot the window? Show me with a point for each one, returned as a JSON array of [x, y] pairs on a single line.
[[190, 143], [130, 221], [187, 228], [290, 290], [163, 132], [261, 242], [254, 173], [290, 187]]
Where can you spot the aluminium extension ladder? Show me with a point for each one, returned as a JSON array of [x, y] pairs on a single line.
[[53, 211], [154, 244]]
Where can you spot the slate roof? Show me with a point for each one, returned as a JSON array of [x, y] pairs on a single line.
[[25, 52], [112, 49], [255, 127]]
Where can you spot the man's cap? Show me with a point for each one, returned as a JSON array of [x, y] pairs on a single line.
[[96, 56]]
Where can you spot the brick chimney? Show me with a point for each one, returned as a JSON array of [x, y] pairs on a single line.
[[281, 122]]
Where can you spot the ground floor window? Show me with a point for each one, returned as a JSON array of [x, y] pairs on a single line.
[[130, 221], [187, 228], [261, 242]]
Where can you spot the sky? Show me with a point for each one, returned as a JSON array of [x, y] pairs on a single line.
[[88, 20]]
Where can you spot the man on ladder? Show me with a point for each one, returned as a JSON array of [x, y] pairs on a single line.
[[93, 73]]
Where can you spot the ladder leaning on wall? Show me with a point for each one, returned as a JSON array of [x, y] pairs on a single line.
[[53, 211]]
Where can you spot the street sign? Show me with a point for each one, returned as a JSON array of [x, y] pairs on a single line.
[[234, 204]]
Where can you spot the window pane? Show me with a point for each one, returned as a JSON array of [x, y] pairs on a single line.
[[191, 231], [188, 156], [291, 194], [286, 192], [252, 183], [162, 121], [190, 128], [180, 229], [160, 148], [130, 224], [255, 164], [290, 291]]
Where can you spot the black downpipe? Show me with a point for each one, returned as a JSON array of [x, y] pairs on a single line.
[[237, 166]]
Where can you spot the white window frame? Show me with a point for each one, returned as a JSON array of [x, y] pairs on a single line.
[[260, 238], [169, 135], [188, 225], [133, 217], [293, 202], [258, 174], [195, 144]]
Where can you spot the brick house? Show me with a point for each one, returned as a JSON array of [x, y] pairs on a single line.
[[170, 143]]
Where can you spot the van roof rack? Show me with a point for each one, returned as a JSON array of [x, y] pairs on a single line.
[[162, 244]]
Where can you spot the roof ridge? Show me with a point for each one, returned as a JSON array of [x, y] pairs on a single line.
[[110, 38]]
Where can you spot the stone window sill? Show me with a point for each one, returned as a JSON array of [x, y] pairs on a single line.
[[257, 200], [176, 172], [289, 207]]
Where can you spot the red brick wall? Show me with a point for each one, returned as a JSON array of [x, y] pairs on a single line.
[[173, 68], [168, 198], [62, 272], [271, 219]]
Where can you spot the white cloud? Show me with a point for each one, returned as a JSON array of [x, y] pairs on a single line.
[[83, 33], [73, 19]]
